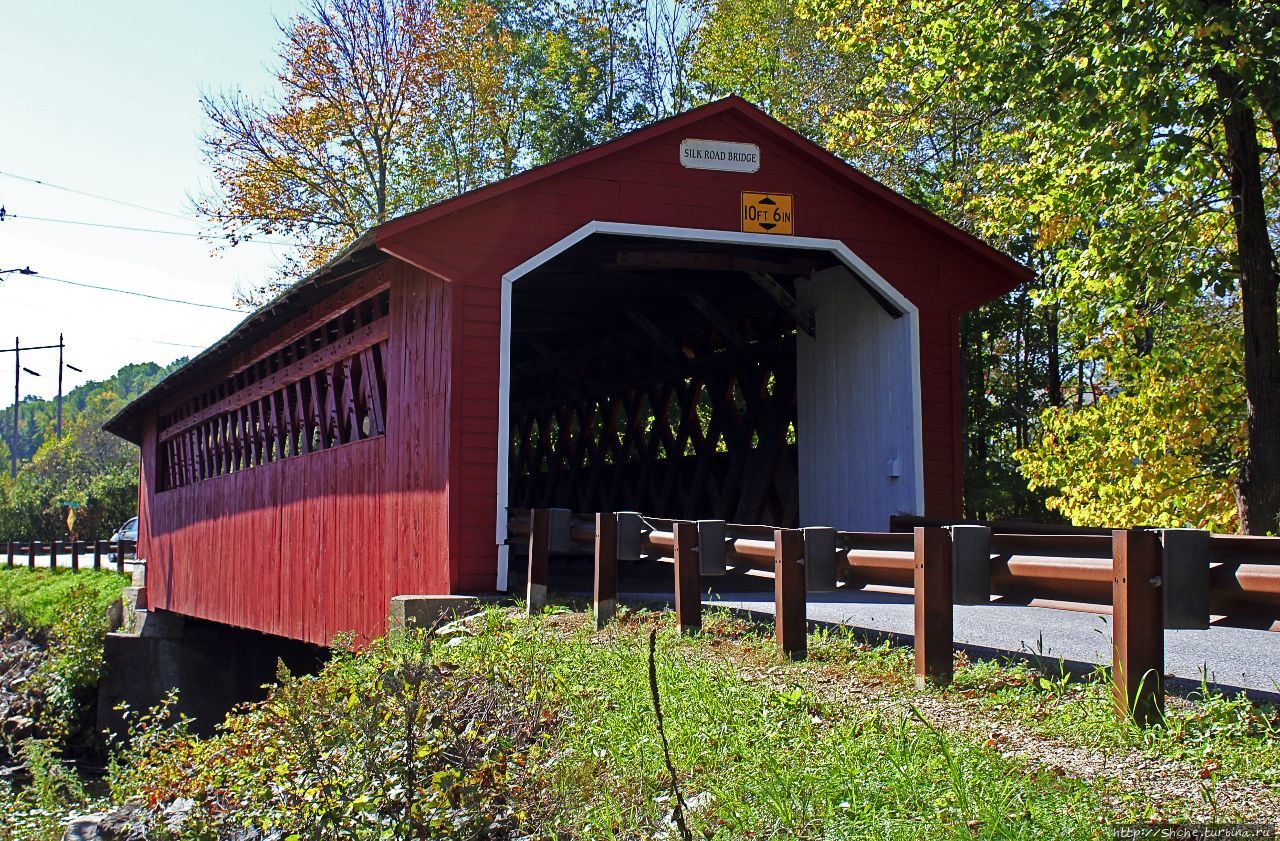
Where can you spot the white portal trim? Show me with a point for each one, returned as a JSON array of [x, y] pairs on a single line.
[[852, 261]]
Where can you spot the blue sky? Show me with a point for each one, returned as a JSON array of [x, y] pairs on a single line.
[[104, 98]]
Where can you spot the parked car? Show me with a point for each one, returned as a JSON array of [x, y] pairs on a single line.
[[129, 531]]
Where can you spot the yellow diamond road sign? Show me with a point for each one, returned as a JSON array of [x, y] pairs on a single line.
[[767, 213]]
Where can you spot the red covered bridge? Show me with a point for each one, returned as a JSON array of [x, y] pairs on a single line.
[[711, 317]]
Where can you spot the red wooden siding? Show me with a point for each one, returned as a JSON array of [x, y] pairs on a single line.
[[316, 544], [646, 184]]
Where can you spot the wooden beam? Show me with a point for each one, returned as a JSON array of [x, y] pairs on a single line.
[[688, 586], [784, 299], [723, 326], [1137, 625], [790, 624], [361, 339], [653, 331], [934, 648], [713, 262], [606, 578], [703, 366]]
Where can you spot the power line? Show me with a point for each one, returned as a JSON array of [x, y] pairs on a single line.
[[139, 294], [26, 218], [94, 195]]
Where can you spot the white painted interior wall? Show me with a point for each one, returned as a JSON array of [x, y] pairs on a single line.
[[858, 408]]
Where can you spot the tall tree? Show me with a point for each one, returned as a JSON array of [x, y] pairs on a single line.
[[1146, 174], [333, 152], [387, 105]]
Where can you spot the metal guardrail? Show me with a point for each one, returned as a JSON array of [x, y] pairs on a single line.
[[1152, 580], [29, 552]]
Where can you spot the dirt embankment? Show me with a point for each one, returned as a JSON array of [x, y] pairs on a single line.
[[21, 653]]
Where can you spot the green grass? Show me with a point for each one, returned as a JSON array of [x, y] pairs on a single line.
[[760, 757], [39, 598], [555, 729], [1224, 734]]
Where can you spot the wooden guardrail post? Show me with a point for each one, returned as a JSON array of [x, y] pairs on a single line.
[[606, 583], [789, 593], [1138, 625], [32, 547], [75, 556], [97, 554], [121, 547], [539, 560], [53, 554], [9, 555], [935, 657], [688, 584]]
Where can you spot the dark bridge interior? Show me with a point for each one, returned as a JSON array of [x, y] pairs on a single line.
[[659, 376]]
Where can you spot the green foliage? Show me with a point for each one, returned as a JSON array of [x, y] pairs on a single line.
[[1224, 735], [759, 754], [390, 742], [87, 465], [1087, 139], [1165, 448], [43, 598], [38, 811], [69, 611]]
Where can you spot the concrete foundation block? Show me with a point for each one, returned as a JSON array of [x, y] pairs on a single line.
[[213, 668], [422, 612], [135, 598]]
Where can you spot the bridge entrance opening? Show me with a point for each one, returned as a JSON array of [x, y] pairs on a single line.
[[708, 375]]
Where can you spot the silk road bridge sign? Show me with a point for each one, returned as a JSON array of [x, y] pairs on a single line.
[[723, 155], [768, 213]]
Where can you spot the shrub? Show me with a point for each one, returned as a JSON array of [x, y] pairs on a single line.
[[390, 742]]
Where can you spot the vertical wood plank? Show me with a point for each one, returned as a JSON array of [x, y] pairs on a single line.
[[539, 560], [75, 556], [934, 652], [1137, 625], [32, 546], [688, 583], [789, 593], [97, 554], [606, 578], [9, 554]]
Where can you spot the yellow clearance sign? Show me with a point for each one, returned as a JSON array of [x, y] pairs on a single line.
[[767, 213]]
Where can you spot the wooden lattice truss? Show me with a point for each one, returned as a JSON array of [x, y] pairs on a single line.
[[321, 390], [679, 411]]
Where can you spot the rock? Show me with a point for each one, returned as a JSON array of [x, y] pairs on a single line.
[[128, 823], [124, 824], [175, 814], [84, 828]]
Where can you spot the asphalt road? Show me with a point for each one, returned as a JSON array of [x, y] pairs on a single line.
[[64, 561], [1229, 658]]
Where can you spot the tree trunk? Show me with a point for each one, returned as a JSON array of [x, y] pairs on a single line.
[[1258, 488], [1055, 357]]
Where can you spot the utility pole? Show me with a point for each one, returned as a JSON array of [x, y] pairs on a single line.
[[17, 376], [60, 347], [13, 449]]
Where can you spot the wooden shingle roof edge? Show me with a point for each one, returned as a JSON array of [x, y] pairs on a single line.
[[356, 258], [395, 229], [367, 251]]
